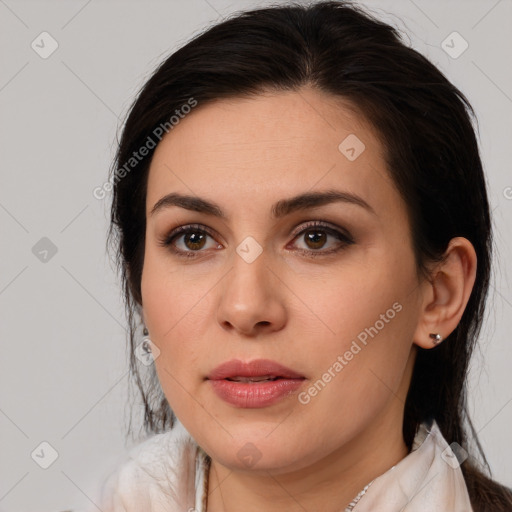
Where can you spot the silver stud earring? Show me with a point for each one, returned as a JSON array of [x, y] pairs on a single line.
[[146, 344], [436, 338]]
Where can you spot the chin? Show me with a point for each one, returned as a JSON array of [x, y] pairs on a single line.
[[261, 454]]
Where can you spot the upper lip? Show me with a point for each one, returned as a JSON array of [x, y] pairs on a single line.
[[255, 368]]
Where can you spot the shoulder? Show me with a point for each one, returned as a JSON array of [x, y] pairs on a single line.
[[161, 468], [485, 494]]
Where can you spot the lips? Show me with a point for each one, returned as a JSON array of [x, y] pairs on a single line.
[[253, 371], [256, 384]]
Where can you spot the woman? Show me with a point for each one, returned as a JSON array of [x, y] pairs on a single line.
[[301, 222]]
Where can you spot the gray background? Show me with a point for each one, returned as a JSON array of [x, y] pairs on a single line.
[[63, 370]]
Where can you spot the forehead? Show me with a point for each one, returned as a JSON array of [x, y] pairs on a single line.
[[266, 147]]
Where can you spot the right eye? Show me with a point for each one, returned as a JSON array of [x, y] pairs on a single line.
[[193, 236]]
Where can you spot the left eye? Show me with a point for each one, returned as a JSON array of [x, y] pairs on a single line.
[[314, 235]]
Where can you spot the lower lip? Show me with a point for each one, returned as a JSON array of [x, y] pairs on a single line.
[[255, 394]]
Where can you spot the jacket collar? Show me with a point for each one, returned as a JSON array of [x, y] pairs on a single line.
[[169, 473], [428, 478]]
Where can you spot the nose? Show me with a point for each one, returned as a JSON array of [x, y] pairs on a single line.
[[252, 299]]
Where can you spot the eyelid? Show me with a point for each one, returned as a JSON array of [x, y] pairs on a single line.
[[324, 225], [167, 239]]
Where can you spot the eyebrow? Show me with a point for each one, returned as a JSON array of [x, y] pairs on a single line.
[[279, 209]]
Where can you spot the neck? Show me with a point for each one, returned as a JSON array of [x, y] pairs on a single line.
[[329, 484]]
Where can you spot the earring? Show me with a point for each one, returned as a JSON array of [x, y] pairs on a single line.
[[436, 338], [146, 344]]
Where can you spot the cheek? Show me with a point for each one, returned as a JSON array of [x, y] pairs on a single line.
[[371, 319], [169, 299], [174, 310], [355, 297]]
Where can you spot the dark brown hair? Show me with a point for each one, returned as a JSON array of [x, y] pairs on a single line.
[[425, 125]]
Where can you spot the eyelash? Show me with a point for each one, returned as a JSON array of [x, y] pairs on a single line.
[[168, 240]]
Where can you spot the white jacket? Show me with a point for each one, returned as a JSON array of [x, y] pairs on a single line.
[[168, 473]]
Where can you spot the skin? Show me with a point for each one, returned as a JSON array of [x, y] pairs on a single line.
[[302, 311]]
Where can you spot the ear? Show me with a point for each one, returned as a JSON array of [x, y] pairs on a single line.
[[446, 293]]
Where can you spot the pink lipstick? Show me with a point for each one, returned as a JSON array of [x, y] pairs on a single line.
[[255, 384]]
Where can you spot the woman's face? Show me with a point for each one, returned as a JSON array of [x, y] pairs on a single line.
[[327, 289]]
